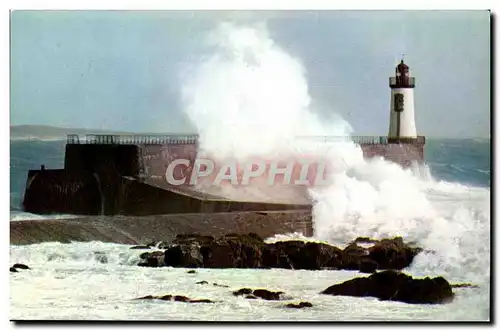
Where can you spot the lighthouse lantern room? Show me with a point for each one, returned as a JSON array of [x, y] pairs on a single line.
[[402, 115]]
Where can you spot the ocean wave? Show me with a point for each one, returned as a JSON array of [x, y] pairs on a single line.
[[92, 253]]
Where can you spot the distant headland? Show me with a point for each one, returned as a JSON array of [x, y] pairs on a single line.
[[47, 132]]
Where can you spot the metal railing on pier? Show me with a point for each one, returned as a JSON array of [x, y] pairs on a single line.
[[192, 139], [366, 140], [132, 139]]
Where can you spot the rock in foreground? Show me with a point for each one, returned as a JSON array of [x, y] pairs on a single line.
[[250, 251], [464, 285], [302, 304], [17, 266], [259, 293], [395, 286], [179, 298], [20, 266]]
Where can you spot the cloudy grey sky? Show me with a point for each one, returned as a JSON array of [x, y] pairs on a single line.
[[119, 70]]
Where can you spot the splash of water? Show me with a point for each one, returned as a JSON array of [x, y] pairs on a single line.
[[249, 97]]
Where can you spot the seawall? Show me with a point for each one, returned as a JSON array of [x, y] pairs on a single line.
[[141, 230], [402, 154], [120, 175]]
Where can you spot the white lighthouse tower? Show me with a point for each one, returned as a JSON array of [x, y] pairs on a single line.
[[402, 117]]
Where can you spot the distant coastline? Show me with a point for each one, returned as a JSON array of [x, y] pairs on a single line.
[[54, 133]]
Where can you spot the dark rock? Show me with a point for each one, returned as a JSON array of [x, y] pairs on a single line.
[[184, 255], [219, 255], [178, 298], [203, 282], [153, 259], [181, 298], [20, 266], [12, 269], [302, 255], [243, 291], [228, 251], [352, 255], [233, 251], [364, 240], [266, 294], [167, 297], [259, 293], [146, 255], [464, 285], [200, 301], [395, 286], [250, 251], [147, 297], [392, 253], [141, 247], [367, 266], [191, 272], [355, 250], [302, 304]]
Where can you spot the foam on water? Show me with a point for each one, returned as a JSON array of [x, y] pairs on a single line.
[[98, 281]]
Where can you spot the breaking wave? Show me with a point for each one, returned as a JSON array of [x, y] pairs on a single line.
[[248, 96]]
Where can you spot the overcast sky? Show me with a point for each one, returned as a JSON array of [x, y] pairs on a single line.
[[119, 70]]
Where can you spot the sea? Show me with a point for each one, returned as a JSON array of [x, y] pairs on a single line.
[[97, 281]]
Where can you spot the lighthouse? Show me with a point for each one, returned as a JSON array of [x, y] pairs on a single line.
[[402, 116]]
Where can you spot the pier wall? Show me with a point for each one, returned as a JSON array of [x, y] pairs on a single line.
[[402, 154], [63, 192], [113, 179]]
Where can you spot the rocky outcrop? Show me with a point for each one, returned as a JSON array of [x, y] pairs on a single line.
[[302, 255], [392, 253], [179, 298], [383, 254], [464, 285], [302, 304], [259, 293], [141, 247], [184, 255], [364, 240], [250, 251], [152, 259], [20, 266], [395, 286], [17, 266]]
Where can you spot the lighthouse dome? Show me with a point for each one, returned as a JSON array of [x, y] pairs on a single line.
[[402, 67]]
